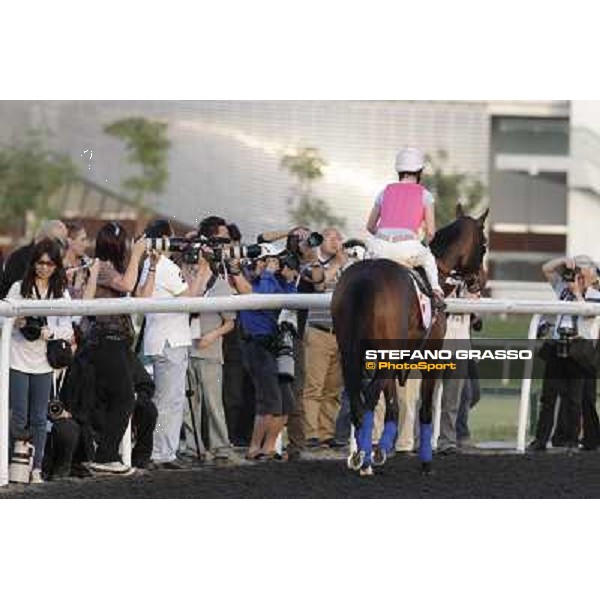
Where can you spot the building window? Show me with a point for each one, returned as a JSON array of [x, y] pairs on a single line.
[[521, 135]]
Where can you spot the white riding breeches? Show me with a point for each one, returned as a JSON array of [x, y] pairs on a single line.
[[410, 253]]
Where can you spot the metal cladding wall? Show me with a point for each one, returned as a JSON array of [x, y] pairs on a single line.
[[225, 154]]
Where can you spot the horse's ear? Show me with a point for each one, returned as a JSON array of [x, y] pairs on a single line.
[[483, 217], [459, 210]]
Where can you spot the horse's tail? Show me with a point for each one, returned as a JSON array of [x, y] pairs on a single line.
[[351, 311]]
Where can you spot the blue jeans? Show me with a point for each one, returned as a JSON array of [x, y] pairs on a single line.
[[344, 421], [29, 395]]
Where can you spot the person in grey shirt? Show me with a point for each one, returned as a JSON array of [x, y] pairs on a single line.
[[205, 372]]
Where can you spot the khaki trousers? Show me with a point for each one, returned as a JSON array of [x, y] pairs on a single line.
[[322, 384], [408, 399]]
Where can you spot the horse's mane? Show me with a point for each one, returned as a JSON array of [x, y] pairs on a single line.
[[445, 237]]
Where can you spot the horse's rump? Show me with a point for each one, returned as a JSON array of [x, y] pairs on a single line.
[[374, 300]]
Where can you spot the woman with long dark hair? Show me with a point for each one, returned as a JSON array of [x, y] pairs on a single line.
[[30, 372], [110, 338]]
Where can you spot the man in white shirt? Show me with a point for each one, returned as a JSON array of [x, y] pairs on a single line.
[[167, 340]]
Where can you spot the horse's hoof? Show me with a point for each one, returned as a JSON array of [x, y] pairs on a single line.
[[366, 472], [356, 460], [426, 468], [379, 457]]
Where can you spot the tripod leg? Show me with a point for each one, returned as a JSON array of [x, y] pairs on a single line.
[[189, 392]]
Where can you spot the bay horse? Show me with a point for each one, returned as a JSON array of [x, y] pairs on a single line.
[[376, 300]]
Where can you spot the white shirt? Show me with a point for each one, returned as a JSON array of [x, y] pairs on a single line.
[[458, 326], [30, 357], [173, 328]]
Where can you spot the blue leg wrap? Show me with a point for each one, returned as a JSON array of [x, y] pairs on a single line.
[[425, 445], [390, 429], [365, 436]]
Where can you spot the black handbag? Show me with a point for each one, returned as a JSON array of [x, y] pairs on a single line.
[[59, 354]]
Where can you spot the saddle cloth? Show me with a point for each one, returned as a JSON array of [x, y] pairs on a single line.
[[424, 305], [420, 283]]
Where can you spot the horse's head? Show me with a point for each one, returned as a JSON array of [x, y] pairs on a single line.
[[459, 248]]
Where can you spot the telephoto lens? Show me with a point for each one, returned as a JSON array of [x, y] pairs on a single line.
[[288, 326], [285, 356], [158, 244], [21, 462]]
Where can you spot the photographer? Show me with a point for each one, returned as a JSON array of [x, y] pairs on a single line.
[[260, 343], [109, 341], [30, 371], [303, 244], [167, 340], [205, 371], [323, 378], [568, 361]]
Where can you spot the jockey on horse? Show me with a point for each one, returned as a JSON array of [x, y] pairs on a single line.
[[402, 210]]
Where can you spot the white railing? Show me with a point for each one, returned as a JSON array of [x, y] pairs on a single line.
[[9, 310]]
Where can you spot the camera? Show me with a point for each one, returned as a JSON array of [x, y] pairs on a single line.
[[543, 329], [289, 260], [570, 275], [214, 249], [355, 249], [55, 409], [287, 328], [563, 344], [294, 241], [32, 330]]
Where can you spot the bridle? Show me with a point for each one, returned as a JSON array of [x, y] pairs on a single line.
[[469, 275]]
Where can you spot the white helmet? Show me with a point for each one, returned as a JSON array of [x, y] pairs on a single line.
[[409, 160]]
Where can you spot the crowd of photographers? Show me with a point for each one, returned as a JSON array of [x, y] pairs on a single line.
[[191, 387], [195, 387]]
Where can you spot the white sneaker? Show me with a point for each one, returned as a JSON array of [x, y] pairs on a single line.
[[117, 468], [36, 476]]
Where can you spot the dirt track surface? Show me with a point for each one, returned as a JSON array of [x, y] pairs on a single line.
[[461, 476]]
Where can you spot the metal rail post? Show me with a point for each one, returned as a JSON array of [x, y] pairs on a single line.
[[526, 389], [7, 327]]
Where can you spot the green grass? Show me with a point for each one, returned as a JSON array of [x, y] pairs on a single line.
[[513, 327], [494, 418]]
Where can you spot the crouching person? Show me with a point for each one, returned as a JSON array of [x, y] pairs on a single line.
[[77, 420], [145, 415]]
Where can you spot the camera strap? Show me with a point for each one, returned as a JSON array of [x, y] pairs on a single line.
[[58, 378], [37, 292]]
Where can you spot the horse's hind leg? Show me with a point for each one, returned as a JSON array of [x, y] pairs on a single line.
[[426, 423], [363, 416], [390, 427], [362, 419]]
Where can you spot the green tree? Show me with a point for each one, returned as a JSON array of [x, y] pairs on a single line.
[[147, 146], [448, 188], [30, 173], [306, 166]]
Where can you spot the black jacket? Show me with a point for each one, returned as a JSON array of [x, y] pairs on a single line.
[[15, 267]]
